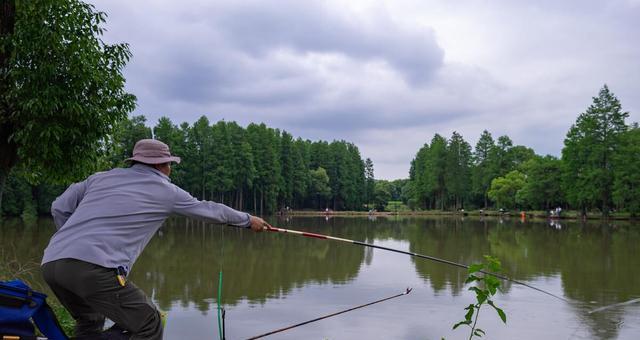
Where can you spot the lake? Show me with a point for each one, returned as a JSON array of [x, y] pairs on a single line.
[[274, 280]]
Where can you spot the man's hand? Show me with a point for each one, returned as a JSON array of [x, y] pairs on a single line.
[[258, 224]]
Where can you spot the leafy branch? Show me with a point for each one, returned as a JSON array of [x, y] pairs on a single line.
[[485, 288]]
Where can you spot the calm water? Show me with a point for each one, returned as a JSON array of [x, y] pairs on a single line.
[[275, 280]]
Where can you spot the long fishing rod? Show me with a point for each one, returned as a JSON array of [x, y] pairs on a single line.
[[460, 265], [406, 292]]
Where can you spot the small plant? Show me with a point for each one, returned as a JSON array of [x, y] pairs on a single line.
[[485, 288]]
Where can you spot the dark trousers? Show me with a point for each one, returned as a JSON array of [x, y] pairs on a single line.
[[91, 293]]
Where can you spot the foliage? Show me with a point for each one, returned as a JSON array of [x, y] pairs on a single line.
[[370, 185], [626, 169], [504, 190], [542, 187], [599, 168], [254, 168], [319, 185], [12, 268], [590, 148], [62, 88], [382, 194], [482, 172], [458, 175], [486, 287]]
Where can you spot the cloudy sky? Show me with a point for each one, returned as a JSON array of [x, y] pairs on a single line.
[[385, 75]]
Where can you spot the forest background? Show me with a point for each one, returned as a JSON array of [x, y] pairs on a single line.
[[64, 114]]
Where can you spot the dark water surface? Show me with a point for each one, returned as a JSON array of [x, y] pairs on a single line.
[[275, 280]]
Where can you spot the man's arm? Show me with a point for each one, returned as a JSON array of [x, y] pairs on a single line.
[[187, 205], [64, 206]]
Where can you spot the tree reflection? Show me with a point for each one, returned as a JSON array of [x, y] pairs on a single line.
[[596, 264]]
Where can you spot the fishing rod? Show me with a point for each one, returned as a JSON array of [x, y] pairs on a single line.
[[406, 292], [268, 227]]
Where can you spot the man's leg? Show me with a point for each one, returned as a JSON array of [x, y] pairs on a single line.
[[131, 310], [88, 321], [99, 288]]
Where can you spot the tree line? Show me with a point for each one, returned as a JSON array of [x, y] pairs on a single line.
[[599, 168], [257, 168]]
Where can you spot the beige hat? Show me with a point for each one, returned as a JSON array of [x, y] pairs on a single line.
[[151, 151]]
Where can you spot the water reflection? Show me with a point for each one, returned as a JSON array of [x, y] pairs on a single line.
[[590, 264]]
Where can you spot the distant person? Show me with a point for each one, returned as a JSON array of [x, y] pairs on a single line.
[[104, 223]]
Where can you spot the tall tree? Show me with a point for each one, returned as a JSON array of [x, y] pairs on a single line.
[[61, 88], [501, 157], [124, 138], [482, 172], [435, 171], [319, 188], [543, 185], [300, 175], [588, 152], [504, 190], [369, 185], [287, 165], [200, 160], [176, 138], [458, 170], [626, 184]]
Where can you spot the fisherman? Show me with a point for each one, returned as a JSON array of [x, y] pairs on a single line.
[[103, 224]]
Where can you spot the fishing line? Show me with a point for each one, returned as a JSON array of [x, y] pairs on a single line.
[[221, 311], [620, 304], [406, 292], [427, 257]]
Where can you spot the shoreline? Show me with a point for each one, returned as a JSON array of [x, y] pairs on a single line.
[[568, 215]]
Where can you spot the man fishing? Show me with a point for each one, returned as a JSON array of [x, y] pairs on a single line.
[[103, 225]]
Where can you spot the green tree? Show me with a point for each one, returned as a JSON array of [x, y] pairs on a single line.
[[382, 194], [588, 153], [543, 185], [124, 138], [264, 145], [626, 184], [458, 170], [319, 186], [199, 160], [435, 171], [176, 138], [501, 157], [61, 88], [241, 169], [482, 172], [300, 175], [287, 165], [504, 190], [519, 155], [370, 184], [416, 190]]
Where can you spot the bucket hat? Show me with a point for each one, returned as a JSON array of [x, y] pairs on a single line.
[[151, 151]]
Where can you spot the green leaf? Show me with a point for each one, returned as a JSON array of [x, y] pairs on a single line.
[[466, 322], [500, 312], [472, 278], [476, 289], [469, 314], [475, 267], [481, 298]]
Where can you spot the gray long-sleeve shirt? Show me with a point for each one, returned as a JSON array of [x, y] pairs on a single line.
[[110, 217]]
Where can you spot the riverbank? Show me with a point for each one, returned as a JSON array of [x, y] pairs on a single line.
[[535, 214]]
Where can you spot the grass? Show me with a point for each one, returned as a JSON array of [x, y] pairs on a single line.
[[11, 269]]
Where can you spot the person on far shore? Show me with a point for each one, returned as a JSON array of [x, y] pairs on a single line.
[[103, 224]]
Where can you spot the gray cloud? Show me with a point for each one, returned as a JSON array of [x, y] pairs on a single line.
[[384, 76]]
